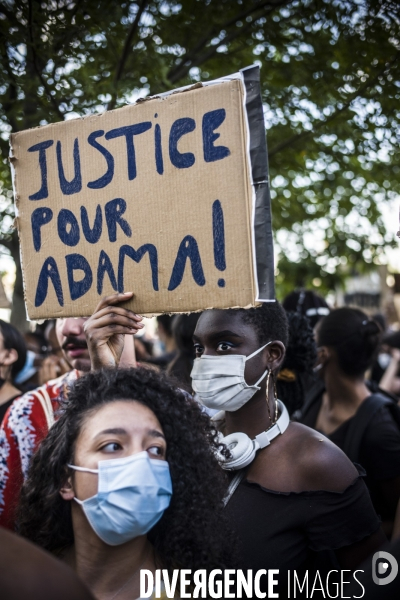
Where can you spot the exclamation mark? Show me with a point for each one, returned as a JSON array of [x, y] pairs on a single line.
[[219, 239]]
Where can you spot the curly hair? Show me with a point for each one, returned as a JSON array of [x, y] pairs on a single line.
[[269, 321], [193, 532], [300, 358]]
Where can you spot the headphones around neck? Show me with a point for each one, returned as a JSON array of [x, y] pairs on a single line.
[[242, 449]]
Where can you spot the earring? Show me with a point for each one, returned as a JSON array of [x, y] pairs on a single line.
[[275, 398], [267, 391]]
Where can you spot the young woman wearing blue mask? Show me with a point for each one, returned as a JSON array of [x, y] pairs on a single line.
[[127, 479]]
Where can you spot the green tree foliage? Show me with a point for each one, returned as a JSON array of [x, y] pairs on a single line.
[[331, 88]]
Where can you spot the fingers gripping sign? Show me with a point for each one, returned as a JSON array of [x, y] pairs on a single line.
[[106, 329]]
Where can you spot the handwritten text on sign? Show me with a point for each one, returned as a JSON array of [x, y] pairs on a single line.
[[143, 199]]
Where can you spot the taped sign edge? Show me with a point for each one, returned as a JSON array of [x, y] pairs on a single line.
[[261, 226]]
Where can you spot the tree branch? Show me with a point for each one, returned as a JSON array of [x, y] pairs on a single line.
[[121, 64], [213, 50], [188, 60], [303, 134], [12, 89], [35, 65]]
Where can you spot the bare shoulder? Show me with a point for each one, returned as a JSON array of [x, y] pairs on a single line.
[[320, 464]]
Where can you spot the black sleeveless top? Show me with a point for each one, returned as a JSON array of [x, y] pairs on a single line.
[[288, 531], [379, 452]]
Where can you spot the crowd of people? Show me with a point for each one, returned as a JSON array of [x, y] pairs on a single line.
[[261, 438]]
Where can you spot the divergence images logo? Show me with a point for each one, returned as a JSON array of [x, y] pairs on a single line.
[[384, 568]]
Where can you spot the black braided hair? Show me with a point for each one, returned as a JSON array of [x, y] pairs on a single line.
[[296, 373]]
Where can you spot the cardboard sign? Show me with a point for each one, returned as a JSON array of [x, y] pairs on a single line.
[[167, 198]]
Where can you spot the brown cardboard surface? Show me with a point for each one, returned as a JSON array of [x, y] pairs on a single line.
[[161, 209]]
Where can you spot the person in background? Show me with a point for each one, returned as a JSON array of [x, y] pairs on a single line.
[[383, 357], [390, 380], [54, 365], [167, 342], [27, 572], [36, 342], [389, 363], [36, 346], [12, 361], [296, 375], [126, 479], [307, 303], [183, 328], [365, 425], [29, 418]]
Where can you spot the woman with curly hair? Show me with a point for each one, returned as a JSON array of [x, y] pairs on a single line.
[[127, 479]]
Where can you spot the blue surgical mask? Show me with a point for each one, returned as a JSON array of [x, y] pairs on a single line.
[[133, 493]]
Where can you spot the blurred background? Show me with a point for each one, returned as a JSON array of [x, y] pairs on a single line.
[[330, 78]]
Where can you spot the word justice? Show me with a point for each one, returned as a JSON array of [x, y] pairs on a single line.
[[181, 160]]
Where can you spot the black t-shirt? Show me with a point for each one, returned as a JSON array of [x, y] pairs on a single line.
[[379, 451], [279, 530]]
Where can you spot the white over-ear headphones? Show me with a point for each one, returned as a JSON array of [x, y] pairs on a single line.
[[242, 448]]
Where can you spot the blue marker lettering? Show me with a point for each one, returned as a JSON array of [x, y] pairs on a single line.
[[137, 256], [105, 266], [179, 128], [77, 262], [75, 185], [92, 235], [158, 150], [109, 174], [49, 271], [67, 227], [212, 120], [187, 249], [114, 209], [41, 148], [129, 131], [39, 217]]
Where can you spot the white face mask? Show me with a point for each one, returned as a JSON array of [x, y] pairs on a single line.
[[219, 381]]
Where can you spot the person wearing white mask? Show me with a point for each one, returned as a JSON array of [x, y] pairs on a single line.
[[296, 501], [293, 493], [127, 479]]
